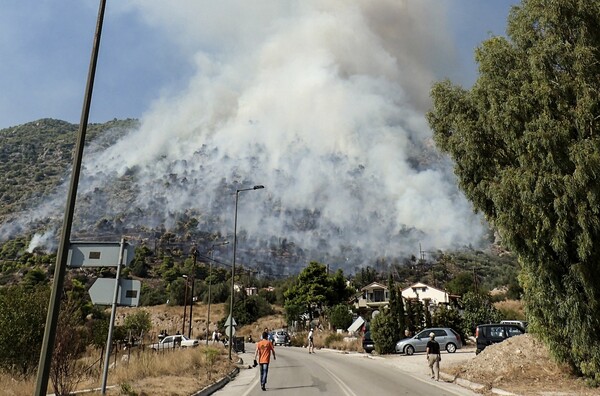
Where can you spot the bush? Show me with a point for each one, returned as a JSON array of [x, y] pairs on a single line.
[[340, 317], [383, 333], [331, 338]]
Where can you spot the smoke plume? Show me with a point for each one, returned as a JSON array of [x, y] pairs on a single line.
[[321, 102]]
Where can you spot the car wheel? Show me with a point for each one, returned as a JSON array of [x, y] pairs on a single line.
[[409, 350], [450, 347]]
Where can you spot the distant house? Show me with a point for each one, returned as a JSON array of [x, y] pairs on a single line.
[[251, 291], [428, 294], [374, 295]]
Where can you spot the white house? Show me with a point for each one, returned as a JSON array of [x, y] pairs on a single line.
[[374, 295], [422, 292]]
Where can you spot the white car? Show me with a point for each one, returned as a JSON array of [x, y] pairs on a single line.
[[174, 341]]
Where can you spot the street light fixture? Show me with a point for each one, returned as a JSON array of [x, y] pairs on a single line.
[[237, 194], [212, 253], [184, 303]]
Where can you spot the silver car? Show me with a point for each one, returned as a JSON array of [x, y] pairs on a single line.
[[281, 337], [446, 337]]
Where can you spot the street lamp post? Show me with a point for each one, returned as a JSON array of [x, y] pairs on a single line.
[[212, 254], [184, 303], [193, 280], [237, 194]]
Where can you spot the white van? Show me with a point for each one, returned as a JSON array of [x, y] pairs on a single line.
[[521, 323]]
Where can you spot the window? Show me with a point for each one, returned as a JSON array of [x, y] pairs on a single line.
[[440, 333], [513, 331]]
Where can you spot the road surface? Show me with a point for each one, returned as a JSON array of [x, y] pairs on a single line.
[[332, 373]]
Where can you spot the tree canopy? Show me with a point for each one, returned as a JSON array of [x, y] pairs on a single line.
[[313, 290], [527, 151]]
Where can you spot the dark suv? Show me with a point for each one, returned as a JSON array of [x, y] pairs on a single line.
[[489, 334], [367, 343]]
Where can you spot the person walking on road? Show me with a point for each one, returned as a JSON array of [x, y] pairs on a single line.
[[433, 356], [264, 349], [311, 342]]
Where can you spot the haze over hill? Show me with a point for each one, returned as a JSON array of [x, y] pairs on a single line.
[[323, 105]]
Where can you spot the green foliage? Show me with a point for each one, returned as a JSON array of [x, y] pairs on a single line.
[[364, 277], [331, 338], [448, 317], [340, 316], [314, 289], [396, 305], [477, 309], [138, 323], [526, 143], [248, 309], [461, 284], [153, 295], [20, 338], [34, 277], [383, 331]]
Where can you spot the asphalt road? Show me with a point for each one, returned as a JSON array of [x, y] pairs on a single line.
[[297, 373]]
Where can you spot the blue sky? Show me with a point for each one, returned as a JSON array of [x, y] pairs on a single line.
[[45, 47]]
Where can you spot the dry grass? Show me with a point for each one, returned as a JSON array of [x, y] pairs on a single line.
[[179, 372], [176, 372], [11, 386], [511, 309]]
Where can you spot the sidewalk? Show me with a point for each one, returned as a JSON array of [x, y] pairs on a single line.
[[416, 365]]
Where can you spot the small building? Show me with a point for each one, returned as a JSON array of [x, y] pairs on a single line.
[[251, 291], [428, 294], [374, 295]]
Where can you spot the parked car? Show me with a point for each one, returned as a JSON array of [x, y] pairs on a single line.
[[367, 343], [446, 337], [521, 323], [174, 341], [281, 337], [488, 334]]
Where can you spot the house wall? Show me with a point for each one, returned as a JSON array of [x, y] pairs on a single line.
[[425, 292]]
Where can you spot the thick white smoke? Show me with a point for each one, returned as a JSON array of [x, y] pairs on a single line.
[[321, 102]]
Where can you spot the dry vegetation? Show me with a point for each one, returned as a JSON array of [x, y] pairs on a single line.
[[143, 372], [521, 365]]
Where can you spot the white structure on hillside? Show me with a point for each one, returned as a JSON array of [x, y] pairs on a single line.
[[425, 293]]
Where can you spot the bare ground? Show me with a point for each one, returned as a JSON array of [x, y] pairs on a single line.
[[521, 365]]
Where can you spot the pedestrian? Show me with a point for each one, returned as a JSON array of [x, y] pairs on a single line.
[[433, 356], [215, 337], [264, 348], [311, 341]]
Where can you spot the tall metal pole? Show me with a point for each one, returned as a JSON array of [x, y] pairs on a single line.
[[237, 194], [184, 303], [231, 300], [113, 313], [43, 373], [212, 255], [195, 254]]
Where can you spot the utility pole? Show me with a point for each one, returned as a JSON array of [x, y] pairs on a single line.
[[195, 255], [43, 373]]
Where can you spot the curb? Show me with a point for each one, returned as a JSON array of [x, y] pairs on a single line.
[[209, 390], [474, 386]]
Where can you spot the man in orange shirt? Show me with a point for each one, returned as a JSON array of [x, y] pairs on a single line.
[[264, 348]]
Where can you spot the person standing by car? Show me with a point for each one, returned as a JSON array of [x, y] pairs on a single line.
[[264, 348], [311, 341], [433, 356]]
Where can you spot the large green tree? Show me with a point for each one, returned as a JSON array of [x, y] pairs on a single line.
[[313, 290], [526, 142], [22, 310]]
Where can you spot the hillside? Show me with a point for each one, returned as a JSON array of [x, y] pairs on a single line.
[[36, 158]]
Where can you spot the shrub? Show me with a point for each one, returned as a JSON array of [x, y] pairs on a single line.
[[333, 337], [383, 333]]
